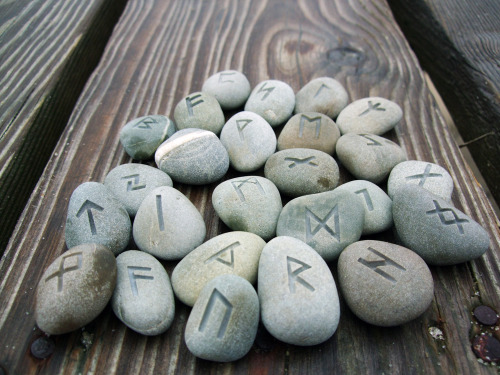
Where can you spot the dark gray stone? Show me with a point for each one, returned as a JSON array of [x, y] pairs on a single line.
[[230, 87], [199, 110], [324, 95]]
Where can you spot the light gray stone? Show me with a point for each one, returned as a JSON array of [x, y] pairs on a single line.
[[249, 141], [193, 156], [434, 229], [199, 110], [324, 95], [249, 204], [297, 293], [95, 215], [223, 322], [234, 253], [368, 156], [75, 288], [301, 171], [143, 298], [168, 225], [328, 222], [131, 182], [230, 87]]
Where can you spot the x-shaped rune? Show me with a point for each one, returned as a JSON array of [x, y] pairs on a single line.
[[297, 161], [424, 176]]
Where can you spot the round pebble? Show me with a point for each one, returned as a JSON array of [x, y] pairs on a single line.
[[324, 95], [199, 110], [230, 87], [486, 315]]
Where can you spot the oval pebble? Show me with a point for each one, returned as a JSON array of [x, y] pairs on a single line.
[[199, 110], [297, 293], [143, 298], [223, 322], [384, 284], [75, 288], [230, 87], [324, 95]]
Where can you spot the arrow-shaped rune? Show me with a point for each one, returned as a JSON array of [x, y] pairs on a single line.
[[88, 206]]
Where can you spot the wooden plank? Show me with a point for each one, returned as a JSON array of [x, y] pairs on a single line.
[[458, 43], [159, 52]]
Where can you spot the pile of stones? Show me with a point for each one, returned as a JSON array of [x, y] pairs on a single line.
[[297, 301]]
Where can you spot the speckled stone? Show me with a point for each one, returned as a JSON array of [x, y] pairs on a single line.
[[384, 284], [324, 95], [230, 87], [297, 293], [199, 110], [75, 288]]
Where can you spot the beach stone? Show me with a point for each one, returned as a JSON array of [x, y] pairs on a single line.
[[249, 141], [378, 205], [193, 156], [297, 293], [371, 115], [309, 130], [223, 322], [141, 137], [250, 204], [384, 284], [430, 226], [368, 156], [273, 100], [324, 95], [143, 298], [75, 288], [95, 215], [230, 87], [199, 110], [235, 253], [168, 225], [429, 176], [301, 171], [328, 222], [131, 182]]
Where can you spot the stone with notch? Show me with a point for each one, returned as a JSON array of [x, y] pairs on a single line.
[[223, 322], [230, 87], [430, 226], [199, 110], [75, 288], [95, 215], [297, 293], [143, 298]]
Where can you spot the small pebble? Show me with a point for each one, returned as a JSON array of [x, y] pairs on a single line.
[[486, 315], [487, 348], [230, 87], [42, 347], [324, 95], [199, 110]]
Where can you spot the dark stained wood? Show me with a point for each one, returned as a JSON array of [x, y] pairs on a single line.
[[159, 52]]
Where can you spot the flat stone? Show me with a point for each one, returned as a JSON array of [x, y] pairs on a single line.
[[378, 205], [297, 293], [168, 225], [141, 137], [249, 204], [324, 95], [223, 322], [193, 156], [430, 226], [427, 175], [235, 253], [328, 222], [309, 130], [131, 182], [384, 284], [199, 110], [368, 156], [273, 100], [143, 298], [230, 87], [95, 215], [301, 171], [371, 115], [75, 288], [249, 141]]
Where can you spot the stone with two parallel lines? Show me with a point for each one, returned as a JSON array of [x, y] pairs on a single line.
[[199, 110]]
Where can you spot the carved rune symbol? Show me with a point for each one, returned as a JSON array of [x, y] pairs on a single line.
[[133, 183], [441, 213], [88, 206], [372, 107], [241, 124], [159, 213], [221, 77], [316, 120], [323, 86], [62, 270], [190, 103], [323, 224], [146, 123], [297, 161], [293, 276], [424, 176], [218, 255], [374, 142], [266, 90], [132, 277], [251, 180], [211, 306], [385, 261], [368, 200]]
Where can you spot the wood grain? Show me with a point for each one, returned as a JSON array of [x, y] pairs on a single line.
[[159, 52]]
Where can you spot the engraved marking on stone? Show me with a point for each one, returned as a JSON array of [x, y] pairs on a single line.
[[159, 212], [228, 307], [146, 123], [190, 103], [375, 264], [251, 180], [221, 77], [305, 118], [218, 255], [322, 224], [133, 184], [89, 206], [297, 161], [367, 197], [62, 270], [374, 142], [132, 277], [293, 276], [240, 127], [441, 213], [267, 90], [372, 107], [323, 86], [424, 176]]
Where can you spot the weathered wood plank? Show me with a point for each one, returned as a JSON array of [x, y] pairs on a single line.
[[159, 52]]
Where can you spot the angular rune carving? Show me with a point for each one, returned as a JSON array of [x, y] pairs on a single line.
[[323, 86], [222, 74], [132, 277], [88, 206], [385, 261], [322, 224], [293, 276], [146, 123], [424, 176], [367, 197], [228, 307], [297, 161], [62, 270], [372, 107], [441, 213], [218, 255], [316, 120], [251, 180], [133, 183], [190, 103], [241, 124], [374, 142], [267, 90]]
